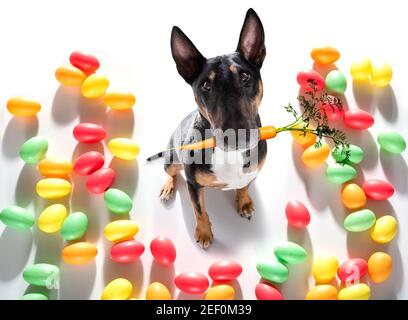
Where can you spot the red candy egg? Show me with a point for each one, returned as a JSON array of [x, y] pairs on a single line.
[[378, 189], [191, 282], [88, 163], [358, 119], [100, 181], [304, 78], [352, 270], [84, 61], [297, 214], [163, 250], [224, 271], [332, 111], [89, 133], [127, 251], [266, 291]]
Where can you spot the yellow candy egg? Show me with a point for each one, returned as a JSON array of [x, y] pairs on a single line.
[[381, 74], [52, 218], [55, 167], [79, 253], [70, 76], [53, 188], [22, 107], [322, 292], [379, 267], [123, 148], [384, 229], [353, 196], [120, 230], [325, 269], [315, 156], [361, 69], [157, 291], [119, 100], [355, 292], [118, 289], [303, 139], [220, 292], [94, 86]]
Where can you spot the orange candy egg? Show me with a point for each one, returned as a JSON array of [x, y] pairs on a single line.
[[325, 55], [79, 253]]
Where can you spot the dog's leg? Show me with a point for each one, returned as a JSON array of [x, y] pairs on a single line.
[[245, 205], [203, 233], [167, 191]]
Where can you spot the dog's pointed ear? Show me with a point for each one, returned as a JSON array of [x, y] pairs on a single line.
[[251, 43], [189, 60]]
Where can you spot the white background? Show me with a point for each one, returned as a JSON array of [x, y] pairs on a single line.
[[131, 39]]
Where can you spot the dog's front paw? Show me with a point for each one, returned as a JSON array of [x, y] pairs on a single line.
[[203, 236], [245, 207], [167, 191]]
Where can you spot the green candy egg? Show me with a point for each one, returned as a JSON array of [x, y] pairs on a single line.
[[17, 217], [273, 271], [33, 150], [340, 173], [356, 154], [42, 274], [74, 226], [118, 201], [290, 252], [336, 81], [392, 142], [359, 221], [34, 296]]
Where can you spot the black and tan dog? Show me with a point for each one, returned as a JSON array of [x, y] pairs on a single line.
[[228, 90]]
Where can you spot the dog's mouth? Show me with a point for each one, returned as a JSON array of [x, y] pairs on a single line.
[[236, 139]]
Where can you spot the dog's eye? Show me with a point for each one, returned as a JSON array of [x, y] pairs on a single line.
[[244, 77], [206, 86]]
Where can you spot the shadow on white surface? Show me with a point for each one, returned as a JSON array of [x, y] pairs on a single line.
[[65, 104], [363, 92], [25, 186], [387, 103], [396, 170], [77, 281], [127, 175], [164, 275]]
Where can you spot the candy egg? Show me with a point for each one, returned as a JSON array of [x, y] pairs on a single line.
[[336, 82], [290, 252], [358, 119], [33, 150], [378, 189], [356, 292], [353, 197], [70, 76], [324, 268], [266, 291], [86, 132], [163, 250], [315, 156], [322, 292], [392, 142], [220, 292], [304, 139], [120, 230], [356, 154], [127, 251], [118, 201], [84, 61], [94, 86], [191, 282], [340, 173], [384, 229], [22, 107], [119, 100], [53, 188], [224, 271], [361, 69], [308, 78], [352, 270], [273, 271], [74, 226], [34, 296], [54, 167], [100, 181], [88, 163], [297, 214], [79, 253], [52, 218], [331, 109], [325, 55], [17, 217], [379, 267], [359, 221], [157, 291], [123, 148], [381, 74], [42, 274], [118, 289]]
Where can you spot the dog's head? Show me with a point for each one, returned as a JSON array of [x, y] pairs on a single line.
[[228, 89]]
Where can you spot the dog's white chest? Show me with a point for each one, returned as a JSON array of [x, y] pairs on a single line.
[[228, 169]]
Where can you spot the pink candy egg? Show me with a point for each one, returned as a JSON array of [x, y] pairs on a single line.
[[127, 251], [304, 78], [192, 282], [84, 61], [297, 214], [266, 291], [378, 189], [100, 181], [89, 132], [352, 270], [88, 163], [358, 119], [224, 271], [163, 250]]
